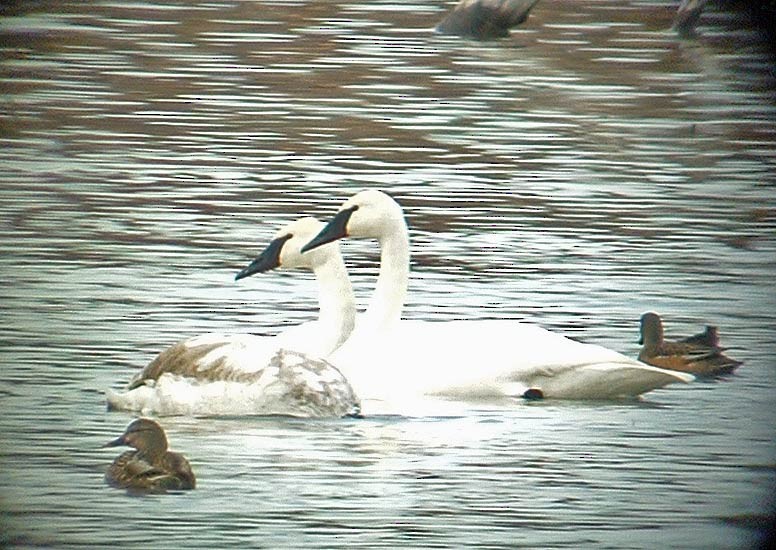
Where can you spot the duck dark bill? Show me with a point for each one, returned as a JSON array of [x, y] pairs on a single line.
[[269, 259], [337, 228], [118, 442]]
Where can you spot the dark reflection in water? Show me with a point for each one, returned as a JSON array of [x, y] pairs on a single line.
[[588, 168]]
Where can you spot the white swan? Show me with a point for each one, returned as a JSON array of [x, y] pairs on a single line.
[[217, 374], [388, 360]]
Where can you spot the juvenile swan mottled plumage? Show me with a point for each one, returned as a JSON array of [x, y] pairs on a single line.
[[700, 354], [388, 360], [150, 467], [287, 374]]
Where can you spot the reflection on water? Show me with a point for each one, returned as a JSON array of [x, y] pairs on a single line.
[[587, 169]]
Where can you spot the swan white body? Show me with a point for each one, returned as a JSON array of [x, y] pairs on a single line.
[[445, 359], [387, 360], [285, 374], [290, 384]]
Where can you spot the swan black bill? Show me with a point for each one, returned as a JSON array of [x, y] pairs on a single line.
[[269, 259], [337, 228]]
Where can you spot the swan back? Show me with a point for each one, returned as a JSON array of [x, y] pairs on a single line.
[[290, 383]]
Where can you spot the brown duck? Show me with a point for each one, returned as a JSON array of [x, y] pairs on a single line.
[[700, 354], [485, 19], [150, 467]]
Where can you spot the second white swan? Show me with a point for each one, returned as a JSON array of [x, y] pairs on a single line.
[[387, 360]]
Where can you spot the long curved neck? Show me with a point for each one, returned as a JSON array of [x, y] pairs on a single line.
[[390, 292], [337, 303]]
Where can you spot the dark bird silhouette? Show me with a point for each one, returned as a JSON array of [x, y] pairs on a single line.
[[700, 354], [485, 19], [687, 16], [709, 338], [150, 467]]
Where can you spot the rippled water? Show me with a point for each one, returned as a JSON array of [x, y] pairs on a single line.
[[587, 169]]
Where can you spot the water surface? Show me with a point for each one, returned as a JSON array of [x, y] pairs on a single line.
[[589, 168]]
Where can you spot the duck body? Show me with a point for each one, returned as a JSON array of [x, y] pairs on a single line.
[[485, 19], [687, 16], [234, 374], [700, 354], [151, 467], [386, 358], [709, 338], [132, 470]]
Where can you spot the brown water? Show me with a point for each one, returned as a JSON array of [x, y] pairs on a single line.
[[587, 169]]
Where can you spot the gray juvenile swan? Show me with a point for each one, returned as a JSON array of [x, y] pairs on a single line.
[[218, 374]]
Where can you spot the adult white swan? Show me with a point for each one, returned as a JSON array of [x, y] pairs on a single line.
[[217, 374], [388, 360]]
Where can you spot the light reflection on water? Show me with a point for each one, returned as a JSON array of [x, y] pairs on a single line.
[[587, 169]]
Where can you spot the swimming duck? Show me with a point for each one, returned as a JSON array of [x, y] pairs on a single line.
[[708, 338], [485, 19], [687, 16], [700, 354], [150, 467], [234, 374]]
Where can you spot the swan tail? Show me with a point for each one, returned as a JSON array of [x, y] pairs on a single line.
[[134, 400], [608, 381]]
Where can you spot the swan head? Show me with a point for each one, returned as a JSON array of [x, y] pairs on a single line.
[[367, 214], [285, 249], [651, 329]]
